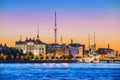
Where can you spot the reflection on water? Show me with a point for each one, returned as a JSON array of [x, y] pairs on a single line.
[[59, 71]]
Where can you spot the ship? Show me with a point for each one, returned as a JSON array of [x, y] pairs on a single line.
[[93, 56]]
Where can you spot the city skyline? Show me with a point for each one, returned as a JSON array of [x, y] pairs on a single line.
[[75, 20]]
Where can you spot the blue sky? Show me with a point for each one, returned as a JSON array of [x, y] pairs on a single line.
[[59, 5]]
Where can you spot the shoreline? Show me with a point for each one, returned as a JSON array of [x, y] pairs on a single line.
[[41, 61], [52, 61]]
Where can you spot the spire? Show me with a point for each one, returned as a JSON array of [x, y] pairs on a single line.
[[55, 29], [26, 38], [20, 37], [94, 42], [61, 39], [108, 46], [71, 41], [37, 31], [94, 39], [89, 41]]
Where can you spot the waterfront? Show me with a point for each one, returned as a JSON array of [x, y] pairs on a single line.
[[60, 71]]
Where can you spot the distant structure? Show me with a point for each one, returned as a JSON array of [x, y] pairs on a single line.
[[93, 56], [76, 49], [88, 41], [108, 46], [37, 31], [36, 46], [71, 41], [20, 37], [92, 47], [89, 44], [0, 47], [94, 41], [55, 29], [61, 40], [106, 52]]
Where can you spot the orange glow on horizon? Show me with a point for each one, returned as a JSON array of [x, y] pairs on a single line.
[[100, 44]]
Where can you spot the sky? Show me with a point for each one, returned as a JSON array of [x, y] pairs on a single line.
[[75, 20]]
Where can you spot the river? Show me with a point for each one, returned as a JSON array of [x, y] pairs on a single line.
[[60, 71]]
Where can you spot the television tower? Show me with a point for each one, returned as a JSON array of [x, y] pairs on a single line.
[[55, 29]]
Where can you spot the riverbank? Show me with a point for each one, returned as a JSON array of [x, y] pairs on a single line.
[[39, 61], [109, 59], [51, 61]]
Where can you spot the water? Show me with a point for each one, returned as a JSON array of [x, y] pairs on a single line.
[[60, 71]]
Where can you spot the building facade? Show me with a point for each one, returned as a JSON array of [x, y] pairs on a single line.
[[31, 45], [76, 49], [106, 52], [36, 46]]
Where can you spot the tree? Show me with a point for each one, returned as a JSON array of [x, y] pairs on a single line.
[[31, 55], [70, 56], [36, 57], [41, 56], [63, 57], [21, 54]]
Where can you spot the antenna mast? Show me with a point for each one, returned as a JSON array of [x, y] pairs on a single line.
[[61, 40], [89, 41], [55, 29], [20, 37], [94, 41]]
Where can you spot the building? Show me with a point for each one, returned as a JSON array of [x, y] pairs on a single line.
[[76, 49], [35, 46], [55, 50], [106, 52], [0, 47]]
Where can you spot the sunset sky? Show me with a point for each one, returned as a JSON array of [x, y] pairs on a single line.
[[75, 20]]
